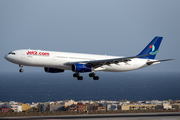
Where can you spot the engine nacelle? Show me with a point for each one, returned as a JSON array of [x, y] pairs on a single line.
[[53, 70], [81, 68]]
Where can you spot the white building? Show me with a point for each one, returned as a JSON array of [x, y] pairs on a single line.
[[19, 108], [166, 105], [124, 103], [148, 102], [3, 105], [112, 107], [12, 103], [156, 102], [68, 102], [14, 107], [84, 101]]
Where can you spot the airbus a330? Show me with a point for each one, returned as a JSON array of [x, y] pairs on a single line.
[[56, 62]]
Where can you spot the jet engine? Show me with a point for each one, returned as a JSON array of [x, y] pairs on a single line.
[[81, 68], [53, 70]]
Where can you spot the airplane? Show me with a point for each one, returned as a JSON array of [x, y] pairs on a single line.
[[57, 62]]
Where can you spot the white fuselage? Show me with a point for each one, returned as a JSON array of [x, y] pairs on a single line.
[[40, 58]]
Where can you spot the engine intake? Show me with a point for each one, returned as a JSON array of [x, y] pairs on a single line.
[[81, 68], [53, 70]]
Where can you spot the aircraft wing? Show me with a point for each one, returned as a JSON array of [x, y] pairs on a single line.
[[98, 63]]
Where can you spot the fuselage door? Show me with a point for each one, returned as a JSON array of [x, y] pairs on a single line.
[[23, 54], [54, 57]]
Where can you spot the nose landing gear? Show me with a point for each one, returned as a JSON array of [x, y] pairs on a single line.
[[21, 70]]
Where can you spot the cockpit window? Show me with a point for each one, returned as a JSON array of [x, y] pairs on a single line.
[[12, 53]]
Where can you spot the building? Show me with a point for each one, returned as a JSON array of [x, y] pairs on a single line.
[[83, 102], [124, 102], [90, 106], [67, 103], [124, 107], [26, 107], [167, 106], [34, 106], [93, 107], [4, 110], [40, 107], [156, 102], [3, 104], [14, 107], [175, 102], [98, 107], [101, 108], [176, 106], [55, 107], [137, 107], [79, 107], [19, 108], [112, 107], [72, 108], [12, 103]]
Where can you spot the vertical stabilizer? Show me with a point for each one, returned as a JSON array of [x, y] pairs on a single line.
[[152, 48]]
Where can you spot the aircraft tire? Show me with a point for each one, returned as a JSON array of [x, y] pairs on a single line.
[[21, 70], [80, 78], [96, 78], [75, 75]]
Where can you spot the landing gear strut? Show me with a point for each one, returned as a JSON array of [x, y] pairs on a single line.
[[93, 75], [78, 77], [75, 74], [21, 70]]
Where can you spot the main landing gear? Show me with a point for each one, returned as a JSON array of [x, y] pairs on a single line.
[[78, 77], [90, 75], [93, 75], [21, 70]]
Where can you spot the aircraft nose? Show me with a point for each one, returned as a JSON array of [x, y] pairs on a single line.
[[6, 57]]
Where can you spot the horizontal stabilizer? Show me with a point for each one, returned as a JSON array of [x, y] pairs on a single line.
[[151, 62]]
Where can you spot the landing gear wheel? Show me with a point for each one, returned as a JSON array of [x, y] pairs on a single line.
[[75, 74], [91, 74], [80, 78], [21, 70], [96, 77]]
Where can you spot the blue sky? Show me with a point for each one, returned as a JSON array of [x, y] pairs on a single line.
[[111, 27]]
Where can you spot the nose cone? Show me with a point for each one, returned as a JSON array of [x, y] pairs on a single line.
[[6, 57]]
